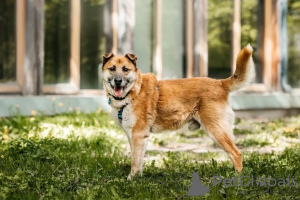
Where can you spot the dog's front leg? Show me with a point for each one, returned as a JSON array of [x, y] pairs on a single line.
[[138, 147]]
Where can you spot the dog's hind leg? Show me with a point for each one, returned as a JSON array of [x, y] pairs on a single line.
[[218, 123]]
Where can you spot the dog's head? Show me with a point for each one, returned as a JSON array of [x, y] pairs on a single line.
[[119, 73]]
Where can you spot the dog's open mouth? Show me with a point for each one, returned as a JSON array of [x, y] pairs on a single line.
[[118, 90]]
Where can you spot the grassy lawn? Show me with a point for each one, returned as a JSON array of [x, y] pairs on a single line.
[[85, 156]]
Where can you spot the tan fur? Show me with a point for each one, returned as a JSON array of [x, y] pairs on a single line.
[[158, 106]]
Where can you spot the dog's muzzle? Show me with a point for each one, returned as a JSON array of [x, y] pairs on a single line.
[[118, 88], [118, 81]]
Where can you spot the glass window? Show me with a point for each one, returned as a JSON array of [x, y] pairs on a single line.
[[143, 34], [57, 41], [293, 20], [219, 38], [92, 42], [7, 41], [172, 38], [252, 24]]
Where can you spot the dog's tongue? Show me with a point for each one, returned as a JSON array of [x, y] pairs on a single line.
[[118, 91]]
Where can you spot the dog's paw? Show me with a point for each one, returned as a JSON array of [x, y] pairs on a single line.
[[133, 174], [129, 177]]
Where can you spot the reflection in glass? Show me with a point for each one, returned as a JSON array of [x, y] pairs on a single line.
[[172, 39], [219, 38], [57, 41], [293, 20], [252, 24], [143, 33], [92, 42], [7, 41]]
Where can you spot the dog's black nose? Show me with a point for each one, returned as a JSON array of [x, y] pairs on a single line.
[[118, 81]]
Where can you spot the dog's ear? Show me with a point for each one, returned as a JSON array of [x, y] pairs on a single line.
[[132, 58], [106, 57]]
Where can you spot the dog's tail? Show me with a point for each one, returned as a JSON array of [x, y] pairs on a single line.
[[244, 72]]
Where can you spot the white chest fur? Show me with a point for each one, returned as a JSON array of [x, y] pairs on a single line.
[[128, 119]]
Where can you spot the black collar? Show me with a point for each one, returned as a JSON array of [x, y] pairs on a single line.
[[120, 112], [119, 98]]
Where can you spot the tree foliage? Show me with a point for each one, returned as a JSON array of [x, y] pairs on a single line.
[[294, 42]]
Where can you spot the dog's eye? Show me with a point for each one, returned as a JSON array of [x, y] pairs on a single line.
[[113, 68], [125, 69]]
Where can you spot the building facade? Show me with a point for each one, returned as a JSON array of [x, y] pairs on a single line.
[[50, 51]]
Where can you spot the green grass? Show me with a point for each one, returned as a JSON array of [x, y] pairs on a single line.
[[84, 156]]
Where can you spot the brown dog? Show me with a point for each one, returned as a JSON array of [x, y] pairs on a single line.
[[142, 105]]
